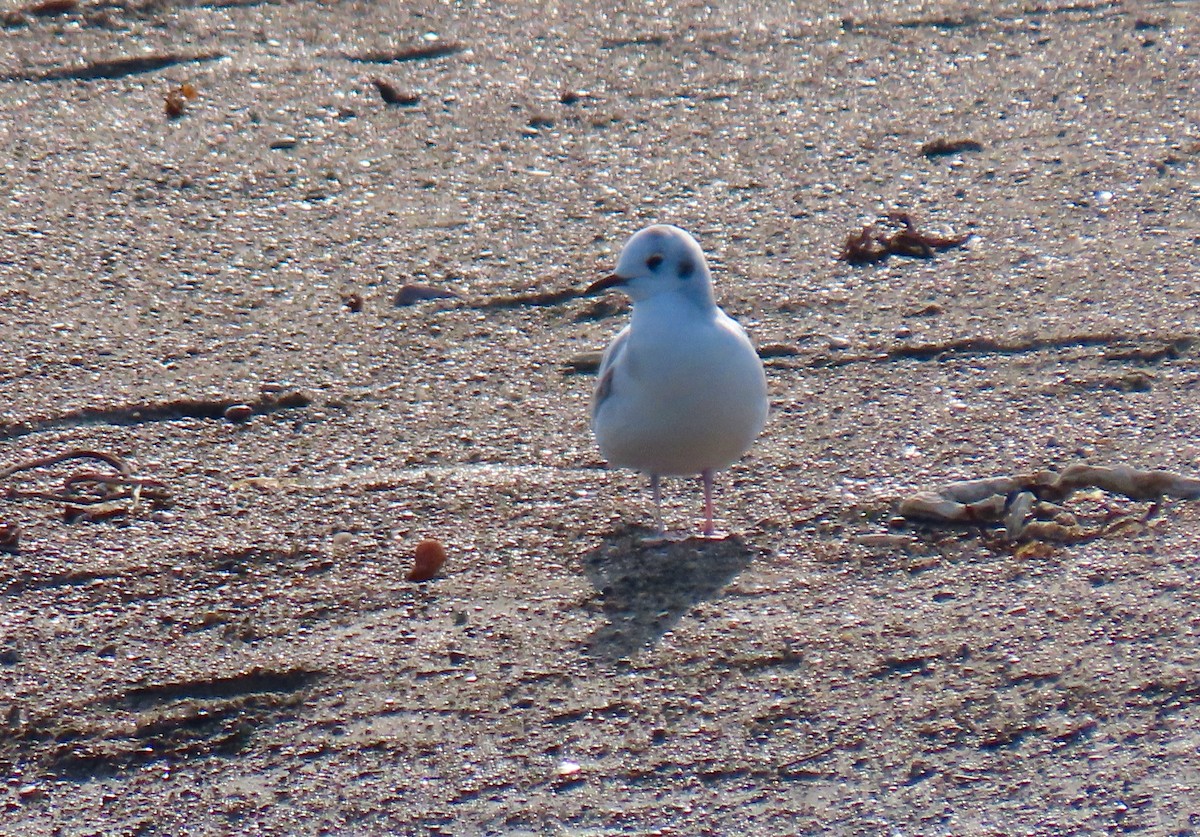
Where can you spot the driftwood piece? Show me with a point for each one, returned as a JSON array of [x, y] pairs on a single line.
[[1133, 483], [1027, 504]]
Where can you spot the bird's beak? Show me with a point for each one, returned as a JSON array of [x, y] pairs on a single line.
[[604, 284]]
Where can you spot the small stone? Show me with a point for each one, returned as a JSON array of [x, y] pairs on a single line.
[[238, 412], [10, 538], [30, 791], [883, 540], [413, 293], [584, 362], [427, 560]]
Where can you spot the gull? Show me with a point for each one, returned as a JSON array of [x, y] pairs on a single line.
[[681, 390]]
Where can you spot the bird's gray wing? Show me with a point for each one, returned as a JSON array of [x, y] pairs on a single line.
[[612, 356]]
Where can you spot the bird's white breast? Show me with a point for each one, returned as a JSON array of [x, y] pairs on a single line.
[[685, 393]]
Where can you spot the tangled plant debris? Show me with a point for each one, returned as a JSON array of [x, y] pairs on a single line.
[[896, 234], [91, 495], [175, 102], [1030, 506]]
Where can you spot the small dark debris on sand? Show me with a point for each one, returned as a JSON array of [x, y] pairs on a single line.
[[177, 98], [942, 146], [10, 538], [583, 363], [897, 234], [422, 52], [393, 95], [48, 8], [634, 41]]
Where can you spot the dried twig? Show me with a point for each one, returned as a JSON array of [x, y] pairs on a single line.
[[942, 146], [91, 495], [75, 453]]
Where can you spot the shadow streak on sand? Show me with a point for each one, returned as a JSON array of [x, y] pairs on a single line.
[[646, 588]]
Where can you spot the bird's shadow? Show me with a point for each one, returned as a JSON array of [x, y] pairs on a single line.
[[646, 587]]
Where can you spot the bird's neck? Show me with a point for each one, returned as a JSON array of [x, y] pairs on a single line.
[[675, 307]]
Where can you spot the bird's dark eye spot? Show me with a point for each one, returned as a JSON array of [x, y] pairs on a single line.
[[686, 268], [654, 262]]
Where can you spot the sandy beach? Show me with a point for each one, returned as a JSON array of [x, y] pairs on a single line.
[[287, 288]]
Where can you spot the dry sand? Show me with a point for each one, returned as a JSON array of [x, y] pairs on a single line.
[[248, 658]]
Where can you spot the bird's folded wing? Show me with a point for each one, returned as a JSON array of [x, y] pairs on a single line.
[[612, 356]]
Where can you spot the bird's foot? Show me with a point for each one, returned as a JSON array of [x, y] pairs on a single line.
[[661, 538]]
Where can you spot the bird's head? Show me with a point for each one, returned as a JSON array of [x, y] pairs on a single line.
[[657, 260]]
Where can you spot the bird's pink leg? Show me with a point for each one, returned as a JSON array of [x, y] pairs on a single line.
[[709, 529], [656, 492]]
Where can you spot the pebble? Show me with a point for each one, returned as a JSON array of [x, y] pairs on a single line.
[[238, 412], [413, 293], [429, 557], [886, 541]]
